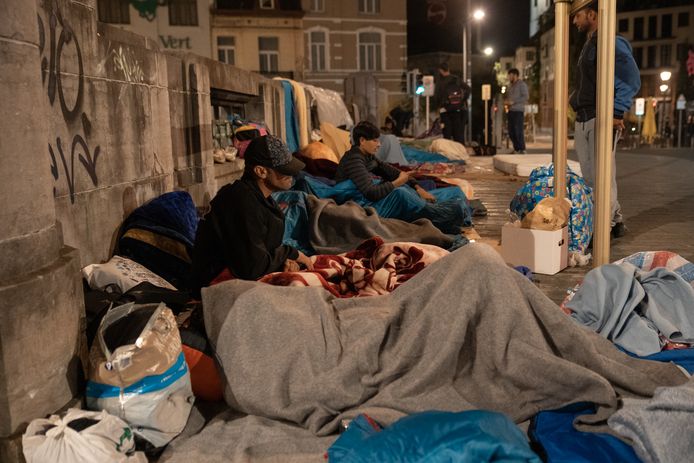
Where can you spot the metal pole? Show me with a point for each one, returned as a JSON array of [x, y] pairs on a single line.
[[561, 95], [486, 124], [607, 13], [427, 127], [679, 129], [468, 76]]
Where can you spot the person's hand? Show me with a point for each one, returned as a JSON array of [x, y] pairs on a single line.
[[402, 179], [425, 195], [618, 124], [290, 266], [304, 260]]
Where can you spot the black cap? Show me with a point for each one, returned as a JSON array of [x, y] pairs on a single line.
[[270, 151]]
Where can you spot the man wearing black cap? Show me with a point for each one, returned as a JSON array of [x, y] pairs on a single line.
[[627, 82], [242, 233]]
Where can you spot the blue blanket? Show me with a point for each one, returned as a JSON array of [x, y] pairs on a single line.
[[553, 430], [414, 155], [449, 213], [290, 118]]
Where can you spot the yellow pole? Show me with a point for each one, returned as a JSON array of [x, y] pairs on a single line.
[[607, 13], [561, 94]]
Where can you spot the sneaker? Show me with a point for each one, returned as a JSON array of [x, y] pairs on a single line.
[[618, 230]]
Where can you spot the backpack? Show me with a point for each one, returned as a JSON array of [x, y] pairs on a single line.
[[456, 96]]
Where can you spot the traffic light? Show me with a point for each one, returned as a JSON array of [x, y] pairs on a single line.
[[419, 86]]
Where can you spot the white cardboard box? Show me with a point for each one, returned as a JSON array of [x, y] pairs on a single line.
[[541, 251]]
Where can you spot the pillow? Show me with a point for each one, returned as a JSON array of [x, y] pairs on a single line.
[[122, 272]]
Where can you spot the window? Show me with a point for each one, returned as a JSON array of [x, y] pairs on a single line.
[[226, 49], [370, 51], [535, 3], [269, 54], [638, 28], [530, 56], [318, 5], [369, 6], [183, 12], [624, 25], [638, 57], [665, 55], [650, 63], [317, 40], [267, 4], [683, 19], [652, 27], [114, 11], [507, 66], [666, 25]]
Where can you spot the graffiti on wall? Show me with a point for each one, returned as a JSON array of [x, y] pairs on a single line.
[[61, 59], [147, 8], [124, 61]]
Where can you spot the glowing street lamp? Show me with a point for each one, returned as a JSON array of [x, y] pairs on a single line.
[[488, 51], [665, 76], [663, 88], [478, 15]]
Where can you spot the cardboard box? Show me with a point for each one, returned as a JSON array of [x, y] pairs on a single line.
[[541, 251]]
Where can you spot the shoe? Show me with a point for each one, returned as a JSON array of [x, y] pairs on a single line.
[[618, 230]]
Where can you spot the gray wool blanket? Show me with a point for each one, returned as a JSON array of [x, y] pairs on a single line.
[[467, 332], [334, 229], [661, 428]]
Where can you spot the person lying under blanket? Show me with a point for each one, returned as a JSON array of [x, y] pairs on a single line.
[[241, 236]]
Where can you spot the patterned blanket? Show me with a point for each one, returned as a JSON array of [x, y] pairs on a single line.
[[374, 268]]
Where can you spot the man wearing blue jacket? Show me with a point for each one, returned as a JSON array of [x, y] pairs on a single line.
[[627, 82]]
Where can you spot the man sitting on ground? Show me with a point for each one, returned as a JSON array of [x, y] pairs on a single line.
[[242, 233], [359, 163]]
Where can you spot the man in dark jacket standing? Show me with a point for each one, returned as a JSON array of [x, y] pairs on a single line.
[[627, 82], [516, 99], [242, 234], [451, 96]]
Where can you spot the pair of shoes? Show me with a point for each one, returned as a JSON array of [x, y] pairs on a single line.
[[618, 230], [519, 152]]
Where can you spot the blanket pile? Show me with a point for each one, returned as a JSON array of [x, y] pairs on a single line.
[[467, 332]]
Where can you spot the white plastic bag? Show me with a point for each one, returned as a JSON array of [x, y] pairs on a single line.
[[139, 373], [80, 437]]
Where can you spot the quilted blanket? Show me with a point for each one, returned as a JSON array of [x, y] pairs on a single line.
[[372, 269]]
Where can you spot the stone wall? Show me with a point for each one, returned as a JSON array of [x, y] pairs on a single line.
[[127, 121], [95, 121]]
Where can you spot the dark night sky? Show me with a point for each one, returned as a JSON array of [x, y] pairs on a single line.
[[505, 27]]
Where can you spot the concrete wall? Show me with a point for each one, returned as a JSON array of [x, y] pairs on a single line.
[[127, 122], [96, 121]]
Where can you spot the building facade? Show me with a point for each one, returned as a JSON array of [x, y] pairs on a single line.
[[180, 25], [525, 59], [263, 36], [356, 36], [537, 9]]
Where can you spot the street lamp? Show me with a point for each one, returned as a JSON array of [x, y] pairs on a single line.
[[478, 15], [665, 76], [663, 88], [488, 51]]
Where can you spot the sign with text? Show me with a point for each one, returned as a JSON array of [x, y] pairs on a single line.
[[486, 92], [428, 83], [640, 106], [681, 102]]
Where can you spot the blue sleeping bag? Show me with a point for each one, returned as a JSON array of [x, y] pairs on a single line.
[[435, 437], [449, 213]]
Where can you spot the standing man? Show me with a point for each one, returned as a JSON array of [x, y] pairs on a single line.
[[516, 99], [583, 99], [451, 97]]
